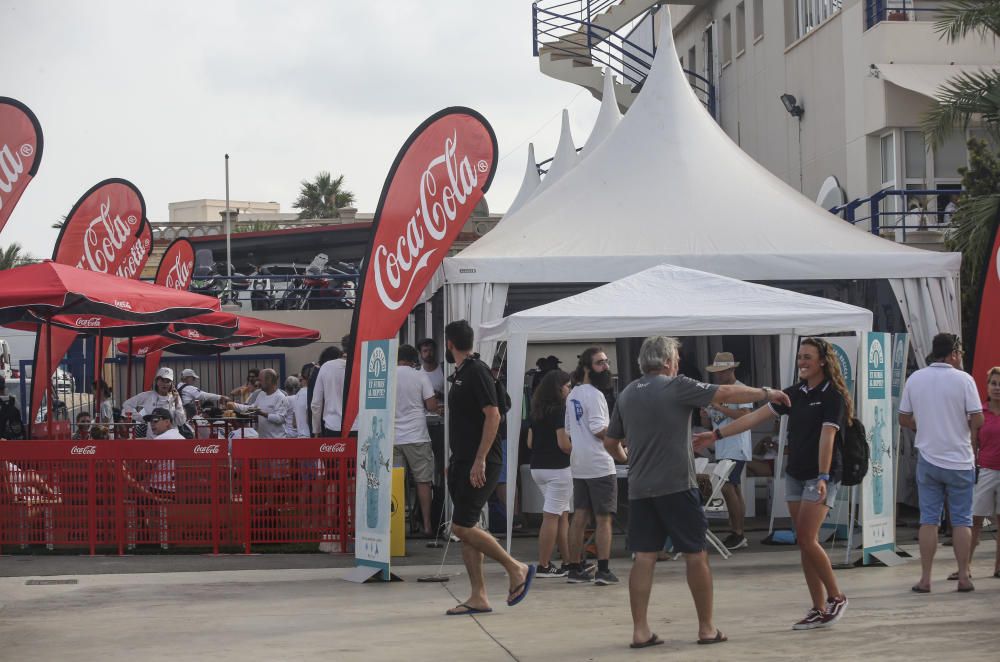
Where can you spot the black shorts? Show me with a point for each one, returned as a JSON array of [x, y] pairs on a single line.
[[679, 515], [468, 500], [598, 495]]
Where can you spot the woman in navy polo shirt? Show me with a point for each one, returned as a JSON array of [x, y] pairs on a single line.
[[821, 404]]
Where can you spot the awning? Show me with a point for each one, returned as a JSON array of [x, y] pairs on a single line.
[[925, 79]]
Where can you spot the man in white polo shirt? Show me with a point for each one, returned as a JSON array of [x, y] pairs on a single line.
[[941, 403], [412, 445]]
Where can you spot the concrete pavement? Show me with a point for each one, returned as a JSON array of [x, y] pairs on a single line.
[[299, 613]]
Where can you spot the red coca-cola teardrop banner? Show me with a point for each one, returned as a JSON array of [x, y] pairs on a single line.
[[175, 271], [439, 176], [20, 153], [105, 231], [987, 349]]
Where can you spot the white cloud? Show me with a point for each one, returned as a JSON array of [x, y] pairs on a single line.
[[157, 93]]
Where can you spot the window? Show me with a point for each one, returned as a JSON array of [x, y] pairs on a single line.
[[692, 61], [810, 13], [888, 150], [914, 157], [741, 29], [758, 19], [949, 156], [727, 39]]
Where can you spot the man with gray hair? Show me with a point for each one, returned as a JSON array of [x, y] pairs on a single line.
[[653, 419]]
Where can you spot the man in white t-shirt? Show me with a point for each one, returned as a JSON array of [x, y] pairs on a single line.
[[736, 447], [412, 446], [328, 395], [941, 403], [595, 481], [271, 407], [431, 366]]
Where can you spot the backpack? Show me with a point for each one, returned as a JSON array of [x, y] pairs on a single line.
[[503, 398], [855, 451], [11, 425]]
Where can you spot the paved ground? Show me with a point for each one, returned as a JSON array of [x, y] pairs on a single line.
[[297, 607]]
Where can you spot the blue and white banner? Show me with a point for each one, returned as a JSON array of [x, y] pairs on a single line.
[[376, 432], [878, 492]]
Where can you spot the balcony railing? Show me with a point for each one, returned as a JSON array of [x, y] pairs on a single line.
[[565, 30], [895, 213], [877, 11]]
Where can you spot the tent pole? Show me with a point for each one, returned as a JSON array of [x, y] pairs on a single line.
[[218, 370]]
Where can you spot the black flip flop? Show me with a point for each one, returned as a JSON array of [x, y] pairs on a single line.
[[652, 641], [717, 639], [469, 611], [917, 589], [966, 589]]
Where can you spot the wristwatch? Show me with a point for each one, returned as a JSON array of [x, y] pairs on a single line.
[[718, 433], [824, 477], [767, 392]]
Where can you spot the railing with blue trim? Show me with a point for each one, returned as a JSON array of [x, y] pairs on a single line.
[[913, 212], [877, 11], [560, 29]]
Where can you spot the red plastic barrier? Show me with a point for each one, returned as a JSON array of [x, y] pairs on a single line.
[[176, 493]]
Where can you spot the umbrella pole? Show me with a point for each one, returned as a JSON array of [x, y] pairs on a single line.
[[51, 389], [98, 360], [128, 372], [218, 369]]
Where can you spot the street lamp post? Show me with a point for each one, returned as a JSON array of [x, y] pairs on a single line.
[[229, 229]]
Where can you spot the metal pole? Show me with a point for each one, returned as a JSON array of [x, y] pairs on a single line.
[[229, 230], [128, 371], [48, 367], [98, 360]]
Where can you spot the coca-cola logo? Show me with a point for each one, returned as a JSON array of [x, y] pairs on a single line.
[[104, 238], [446, 183], [88, 322], [179, 274], [123, 305], [84, 450], [339, 447], [20, 152], [210, 449], [191, 333]]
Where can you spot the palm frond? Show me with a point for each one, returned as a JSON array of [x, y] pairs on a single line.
[[968, 94], [962, 17]]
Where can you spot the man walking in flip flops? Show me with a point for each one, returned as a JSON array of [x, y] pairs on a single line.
[[474, 469]]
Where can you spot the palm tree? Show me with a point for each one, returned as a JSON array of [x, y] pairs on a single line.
[[321, 197], [12, 256], [966, 96]]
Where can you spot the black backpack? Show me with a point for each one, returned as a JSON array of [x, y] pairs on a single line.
[[855, 451], [11, 424]]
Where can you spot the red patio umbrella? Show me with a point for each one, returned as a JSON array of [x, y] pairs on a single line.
[[90, 302]]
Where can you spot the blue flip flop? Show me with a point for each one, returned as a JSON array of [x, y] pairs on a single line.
[[523, 587], [469, 611]]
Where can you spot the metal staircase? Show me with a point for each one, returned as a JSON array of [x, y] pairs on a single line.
[[574, 40]]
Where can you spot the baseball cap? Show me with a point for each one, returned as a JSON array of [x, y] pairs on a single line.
[[188, 372], [158, 412], [165, 373]]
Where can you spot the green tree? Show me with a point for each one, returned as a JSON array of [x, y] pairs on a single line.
[[965, 97], [321, 197], [13, 256]]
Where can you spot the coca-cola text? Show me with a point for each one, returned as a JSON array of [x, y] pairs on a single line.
[[83, 450], [338, 447], [210, 449]]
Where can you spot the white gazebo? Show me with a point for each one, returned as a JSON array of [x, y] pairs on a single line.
[[665, 300]]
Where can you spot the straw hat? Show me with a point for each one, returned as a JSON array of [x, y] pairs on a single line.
[[723, 361]]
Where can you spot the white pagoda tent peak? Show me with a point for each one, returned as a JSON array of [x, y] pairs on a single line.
[[608, 116], [566, 157], [529, 184]]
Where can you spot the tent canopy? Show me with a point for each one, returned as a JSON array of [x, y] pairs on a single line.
[[667, 185], [665, 300], [679, 301]]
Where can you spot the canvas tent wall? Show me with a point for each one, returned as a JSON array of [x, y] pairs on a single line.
[[667, 185], [664, 300]]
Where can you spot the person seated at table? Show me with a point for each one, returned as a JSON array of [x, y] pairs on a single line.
[[242, 393], [83, 425], [764, 453], [162, 396]]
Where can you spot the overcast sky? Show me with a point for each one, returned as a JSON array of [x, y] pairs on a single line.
[[158, 92]]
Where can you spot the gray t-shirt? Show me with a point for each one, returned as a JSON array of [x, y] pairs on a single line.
[[653, 416]]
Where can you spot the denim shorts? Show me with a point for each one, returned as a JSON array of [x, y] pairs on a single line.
[[806, 490], [934, 483]]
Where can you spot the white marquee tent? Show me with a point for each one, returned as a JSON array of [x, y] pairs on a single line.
[[664, 300], [667, 185]]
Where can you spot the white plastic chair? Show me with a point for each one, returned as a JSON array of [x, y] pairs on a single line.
[[719, 476]]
